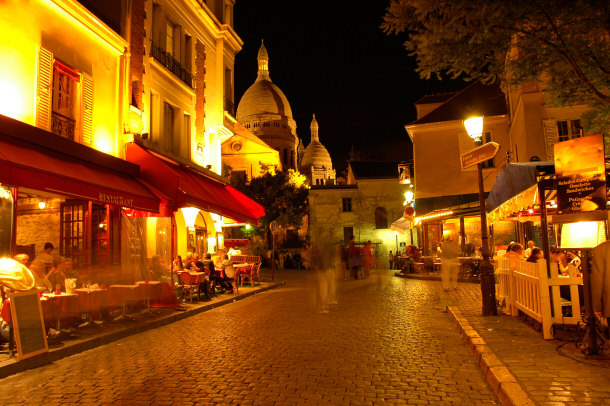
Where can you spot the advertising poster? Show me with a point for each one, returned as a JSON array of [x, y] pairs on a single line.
[[581, 174]]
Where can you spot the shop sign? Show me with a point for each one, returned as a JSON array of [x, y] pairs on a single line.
[[115, 199], [581, 175], [481, 154]]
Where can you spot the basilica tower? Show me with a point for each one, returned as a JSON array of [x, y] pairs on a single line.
[[265, 111]]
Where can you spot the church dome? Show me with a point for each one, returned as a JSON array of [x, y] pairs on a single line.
[[263, 97], [315, 154]]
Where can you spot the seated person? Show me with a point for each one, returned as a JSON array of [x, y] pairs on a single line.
[[514, 251], [62, 270], [208, 265], [157, 271], [228, 274], [536, 254], [234, 250], [40, 278]]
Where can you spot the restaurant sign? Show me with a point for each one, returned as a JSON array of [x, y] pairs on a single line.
[[481, 154], [115, 199], [581, 175]]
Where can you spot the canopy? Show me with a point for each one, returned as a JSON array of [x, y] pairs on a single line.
[[401, 225], [25, 164], [186, 187], [514, 179]]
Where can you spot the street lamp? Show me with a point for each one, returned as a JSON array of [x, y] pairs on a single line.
[[474, 128]]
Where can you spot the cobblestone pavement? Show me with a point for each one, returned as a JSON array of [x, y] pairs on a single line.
[[388, 340]]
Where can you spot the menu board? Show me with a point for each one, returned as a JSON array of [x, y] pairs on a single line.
[[581, 174], [28, 325]]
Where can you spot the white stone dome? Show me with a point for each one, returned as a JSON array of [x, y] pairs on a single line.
[[263, 97], [316, 155]]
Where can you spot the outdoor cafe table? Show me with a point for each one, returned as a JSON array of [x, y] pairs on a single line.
[[59, 308], [91, 301], [120, 295], [150, 289]]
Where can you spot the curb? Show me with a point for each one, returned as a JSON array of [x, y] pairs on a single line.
[[55, 355], [502, 381], [433, 278]]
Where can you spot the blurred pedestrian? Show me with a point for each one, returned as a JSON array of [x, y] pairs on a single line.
[[354, 257], [391, 260], [449, 264], [367, 258]]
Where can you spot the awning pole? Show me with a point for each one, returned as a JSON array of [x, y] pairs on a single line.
[[544, 227]]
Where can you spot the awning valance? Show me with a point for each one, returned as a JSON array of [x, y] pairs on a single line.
[[28, 165], [185, 187], [514, 179]]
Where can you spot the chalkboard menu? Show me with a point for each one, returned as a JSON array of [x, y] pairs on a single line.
[[28, 325]]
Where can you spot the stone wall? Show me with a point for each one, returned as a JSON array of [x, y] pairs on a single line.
[[38, 229]]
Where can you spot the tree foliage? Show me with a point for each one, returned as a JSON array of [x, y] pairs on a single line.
[[562, 44], [282, 194]]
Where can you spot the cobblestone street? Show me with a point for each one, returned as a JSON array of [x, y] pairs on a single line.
[[388, 340]]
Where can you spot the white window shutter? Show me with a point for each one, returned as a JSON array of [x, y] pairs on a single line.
[[87, 109], [44, 89], [551, 137]]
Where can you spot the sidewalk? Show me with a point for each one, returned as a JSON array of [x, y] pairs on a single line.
[[523, 368], [86, 338]]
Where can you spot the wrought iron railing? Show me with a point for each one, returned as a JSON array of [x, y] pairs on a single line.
[[62, 125], [167, 60]]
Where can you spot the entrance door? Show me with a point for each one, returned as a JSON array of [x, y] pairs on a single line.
[[201, 241], [72, 232]]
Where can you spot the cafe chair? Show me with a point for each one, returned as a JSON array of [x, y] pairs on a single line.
[[246, 273], [187, 286], [256, 273]]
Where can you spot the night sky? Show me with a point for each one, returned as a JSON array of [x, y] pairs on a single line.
[[332, 59]]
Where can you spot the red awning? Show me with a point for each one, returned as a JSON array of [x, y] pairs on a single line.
[[186, 187], [28, 165]]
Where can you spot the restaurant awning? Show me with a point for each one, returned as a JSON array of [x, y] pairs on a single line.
[[516, 178], [401, 225], [26, 163], [186, 187]]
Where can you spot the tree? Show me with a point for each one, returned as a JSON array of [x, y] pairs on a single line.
[[562, 44], [282, 194]]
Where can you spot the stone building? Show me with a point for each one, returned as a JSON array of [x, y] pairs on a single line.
[[363, 208], [315, 162], [264, 110]]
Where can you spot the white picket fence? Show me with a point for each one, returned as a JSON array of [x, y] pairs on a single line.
[[524, 286]]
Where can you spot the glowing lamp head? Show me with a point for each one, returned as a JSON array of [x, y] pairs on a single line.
[[474, 127], [248, 226], [41, 205], [408, 197]]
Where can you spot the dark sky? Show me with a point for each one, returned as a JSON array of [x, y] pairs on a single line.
[[332, 59]]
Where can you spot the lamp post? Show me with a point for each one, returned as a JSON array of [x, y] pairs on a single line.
[[474, 127], [396, 234]]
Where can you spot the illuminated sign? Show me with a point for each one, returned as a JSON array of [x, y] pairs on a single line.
[[115, 199], [480, 154]]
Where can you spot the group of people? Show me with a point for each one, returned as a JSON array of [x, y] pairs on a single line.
[[405, 262], [533, 254], [219, 274], [49, 271], [283, 260]]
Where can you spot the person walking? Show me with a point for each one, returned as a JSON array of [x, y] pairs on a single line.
[[367, 258], [391, 260], [449, 265]]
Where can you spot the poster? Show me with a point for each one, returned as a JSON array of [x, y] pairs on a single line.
[[581, 175]]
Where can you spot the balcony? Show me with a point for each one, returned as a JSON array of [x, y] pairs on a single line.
[[173, 65], [62, 125]]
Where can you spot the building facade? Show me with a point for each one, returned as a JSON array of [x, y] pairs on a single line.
[[363, 208]]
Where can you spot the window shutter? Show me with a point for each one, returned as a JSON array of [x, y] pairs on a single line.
[[551, 137], [44, 89], [87, 109]]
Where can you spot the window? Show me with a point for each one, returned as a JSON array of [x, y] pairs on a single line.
[[347, 204], [182, 143], [381, 218], [569, 129], [64, 99], [169, 39], [188, 52], [168, 125]]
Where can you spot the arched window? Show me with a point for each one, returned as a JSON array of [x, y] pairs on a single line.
[[381, 218]]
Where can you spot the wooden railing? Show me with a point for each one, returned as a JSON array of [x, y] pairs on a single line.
[[525, 287]]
